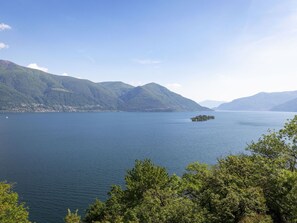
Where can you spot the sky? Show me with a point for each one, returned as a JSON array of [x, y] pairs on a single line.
[[201, 49]]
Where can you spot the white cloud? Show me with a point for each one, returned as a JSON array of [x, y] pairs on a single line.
[[35, 66], [3, 46], [147, 61], [65, 74], [4, 26]]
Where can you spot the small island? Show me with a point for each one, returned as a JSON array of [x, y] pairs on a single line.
[[201, 118]]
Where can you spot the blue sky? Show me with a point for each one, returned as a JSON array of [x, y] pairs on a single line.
[[202, 49]]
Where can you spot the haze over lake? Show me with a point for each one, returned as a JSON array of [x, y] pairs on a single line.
[[66, 160]]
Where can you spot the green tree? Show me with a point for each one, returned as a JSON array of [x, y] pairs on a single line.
[[11, 211], [278, 152], [144, 176], [72, 217], [279, 146], [228, 192], [95, 212], [151, 196], [168, 206]]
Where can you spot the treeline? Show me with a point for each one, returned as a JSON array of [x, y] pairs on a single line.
[[201, 118], [257, 187]]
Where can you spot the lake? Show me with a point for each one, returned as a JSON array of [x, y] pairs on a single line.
[[66, 160]]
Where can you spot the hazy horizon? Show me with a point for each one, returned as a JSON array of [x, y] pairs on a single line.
[[203, 50]]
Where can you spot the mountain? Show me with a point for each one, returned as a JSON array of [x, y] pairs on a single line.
[[261, 102], [289, 106], [154, 97], [211, 103], [23, 89]]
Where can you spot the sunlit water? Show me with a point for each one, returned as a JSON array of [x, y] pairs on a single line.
[[66, 160]]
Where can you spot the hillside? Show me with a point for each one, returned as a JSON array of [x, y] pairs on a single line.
[[154, 97], [28, 90], [261, 102], [289, 106]]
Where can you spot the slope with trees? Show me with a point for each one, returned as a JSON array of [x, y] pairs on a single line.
[[23, 89]]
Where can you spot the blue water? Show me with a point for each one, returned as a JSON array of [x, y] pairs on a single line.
[[66, 160]]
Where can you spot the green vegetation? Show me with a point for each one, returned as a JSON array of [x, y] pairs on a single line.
[[72, 217], [201, 118], [11, 211], [259, 187], [23, 89]]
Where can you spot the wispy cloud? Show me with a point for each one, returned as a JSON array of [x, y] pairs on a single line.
[[146, 61], [4, 26], [35, 66], [3, 46]]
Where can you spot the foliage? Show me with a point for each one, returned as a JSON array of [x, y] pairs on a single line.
[[72, 217], [151, 195], [25, 89], [11, 211], [94, 212], [201, 118]]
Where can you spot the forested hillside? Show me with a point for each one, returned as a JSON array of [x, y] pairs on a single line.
[[28, 90]]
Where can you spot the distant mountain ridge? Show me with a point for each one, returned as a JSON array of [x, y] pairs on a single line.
[[276, 101], [211, 103], [289, 106], [24, 89]]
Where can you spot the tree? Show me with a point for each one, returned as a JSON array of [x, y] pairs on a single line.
[[144, 176], [279, 146], [278, 152], [95, 212], [151, 196], [11, 211], [72, 217], [227, 192]]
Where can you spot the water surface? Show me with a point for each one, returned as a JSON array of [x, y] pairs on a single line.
[[66, 160]]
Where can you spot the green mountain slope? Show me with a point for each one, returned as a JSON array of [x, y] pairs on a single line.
[[259, 102], [154, 97], [24, 89], [117, 87], [43, 91]]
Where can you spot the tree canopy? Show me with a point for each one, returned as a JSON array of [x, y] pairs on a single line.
[[11, 210]]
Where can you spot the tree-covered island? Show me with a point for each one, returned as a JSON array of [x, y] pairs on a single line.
[[201, 118]]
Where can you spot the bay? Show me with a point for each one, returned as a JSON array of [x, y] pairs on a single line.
[[66, 160]]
